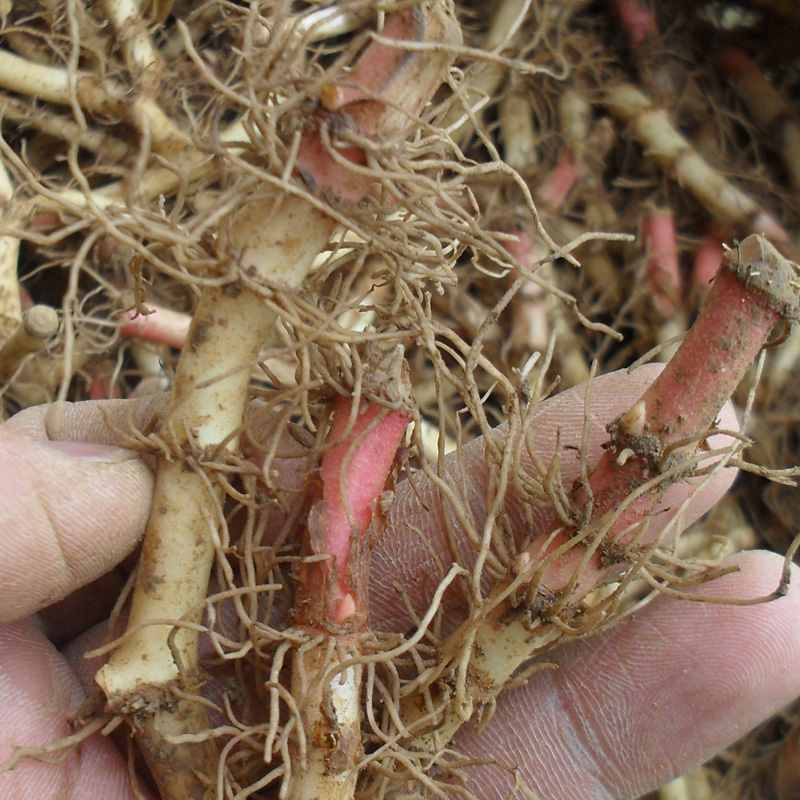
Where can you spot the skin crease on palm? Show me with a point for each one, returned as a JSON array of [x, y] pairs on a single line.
[[621, 713]]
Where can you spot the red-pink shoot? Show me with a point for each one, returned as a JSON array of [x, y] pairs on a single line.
[[754, 288], [161, 326], [385, 91], [355, 472], [663, 270]]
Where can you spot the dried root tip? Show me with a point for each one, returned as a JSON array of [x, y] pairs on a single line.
[[39, 324], [760, 267], [386, 379]]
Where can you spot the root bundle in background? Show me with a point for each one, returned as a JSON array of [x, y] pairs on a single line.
[[130, 140]]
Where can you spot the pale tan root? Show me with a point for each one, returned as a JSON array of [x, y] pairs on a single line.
[[654, 131], [126, 17], [180, 767], [487, 77], [10, 302], [331, 703], [61, 86], [156, 180], [273, 243], [692, 786], [519, 135], [495, 649], [207, 408], [61, 127], [574, 115]]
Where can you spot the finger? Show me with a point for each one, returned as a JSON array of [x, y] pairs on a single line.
[[658, 695], [69, 511], [37, 692], [423, 535], [98, 421], [83, 608]]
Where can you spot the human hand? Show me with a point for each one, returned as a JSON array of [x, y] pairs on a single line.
[[69, 513], [623, 712]]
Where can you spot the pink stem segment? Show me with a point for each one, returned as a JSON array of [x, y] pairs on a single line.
[[355, 472], [754, 288], [385, 91], [663, 269], [162, 326], [706, 262], [555, 188], [637, 20]]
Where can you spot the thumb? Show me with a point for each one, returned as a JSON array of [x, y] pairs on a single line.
[[69, 512]]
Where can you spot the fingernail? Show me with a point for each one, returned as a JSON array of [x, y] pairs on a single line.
[[88, 451]]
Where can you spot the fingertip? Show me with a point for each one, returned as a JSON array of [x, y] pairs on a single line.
[[101, 421]]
